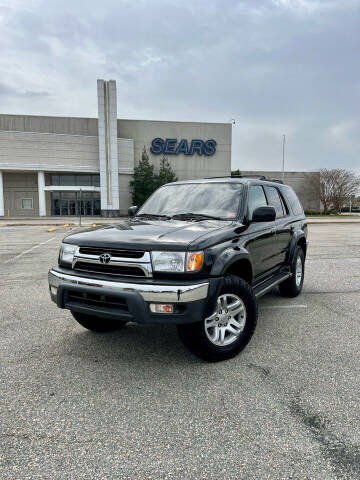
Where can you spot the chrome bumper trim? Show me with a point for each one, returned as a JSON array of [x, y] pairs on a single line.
[[150, 293]]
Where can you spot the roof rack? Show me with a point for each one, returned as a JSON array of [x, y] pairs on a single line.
[[260, 177]]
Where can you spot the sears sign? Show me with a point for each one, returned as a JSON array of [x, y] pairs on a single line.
[[171, 146]]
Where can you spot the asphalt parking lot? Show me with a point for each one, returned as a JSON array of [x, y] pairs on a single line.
[[136, 404]]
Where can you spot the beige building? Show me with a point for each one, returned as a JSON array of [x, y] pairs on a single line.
[[61, 166], [305, 184]]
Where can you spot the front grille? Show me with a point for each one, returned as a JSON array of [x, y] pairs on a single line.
[[110, 269], [97, 300], [114, 252]]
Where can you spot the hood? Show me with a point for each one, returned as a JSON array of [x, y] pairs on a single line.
[[138, 234]]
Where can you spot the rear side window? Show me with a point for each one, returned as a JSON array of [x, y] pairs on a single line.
[[295, 204], [256, 199], [275, 201]]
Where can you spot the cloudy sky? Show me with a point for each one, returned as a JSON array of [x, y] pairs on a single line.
[[276, 66]]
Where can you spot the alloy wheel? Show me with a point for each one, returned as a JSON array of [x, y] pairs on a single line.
[[298, 271], [225, 325]]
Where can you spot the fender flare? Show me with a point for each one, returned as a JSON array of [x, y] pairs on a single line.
[[297, 235], [228, 257]]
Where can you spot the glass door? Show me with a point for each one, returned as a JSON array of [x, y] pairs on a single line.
[[88, 207], [69, 203], [97, 207], [55, 206], [64, 207], [72, 207]]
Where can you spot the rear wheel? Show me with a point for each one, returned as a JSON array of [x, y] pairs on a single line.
[[97, 324], [293, 285], [225, 332]]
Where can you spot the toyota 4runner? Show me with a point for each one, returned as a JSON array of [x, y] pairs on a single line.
[[198, 254]]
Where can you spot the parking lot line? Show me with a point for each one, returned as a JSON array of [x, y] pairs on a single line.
[[268, 307], [29, 250]]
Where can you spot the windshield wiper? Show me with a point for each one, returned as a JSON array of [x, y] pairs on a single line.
[[199, 216], [153, 215]]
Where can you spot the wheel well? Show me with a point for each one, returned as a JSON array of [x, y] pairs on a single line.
[[302, 244], [241, 268]]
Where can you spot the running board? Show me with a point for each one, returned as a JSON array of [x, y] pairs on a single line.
[[265, 287]]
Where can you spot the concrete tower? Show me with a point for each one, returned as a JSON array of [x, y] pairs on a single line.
[[108, 148]]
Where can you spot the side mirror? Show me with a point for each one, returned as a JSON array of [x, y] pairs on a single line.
[[132, 210], [264, 214]]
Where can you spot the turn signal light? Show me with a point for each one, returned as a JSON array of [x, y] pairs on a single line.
[[160, 308], [53, 290], [194, 261]]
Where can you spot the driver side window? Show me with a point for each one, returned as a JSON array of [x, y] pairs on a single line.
[[256, 199]]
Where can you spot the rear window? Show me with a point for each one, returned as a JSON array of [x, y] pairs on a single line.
[[295, 204], [275, 201]]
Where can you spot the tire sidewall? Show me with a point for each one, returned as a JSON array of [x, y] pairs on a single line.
[[299, 253], [239, 287]]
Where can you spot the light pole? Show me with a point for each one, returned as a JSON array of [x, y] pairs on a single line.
[[80, 207], [283, 160]]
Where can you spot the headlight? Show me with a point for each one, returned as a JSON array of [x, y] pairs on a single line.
[[177, 261], [67, 252], [168, 261]]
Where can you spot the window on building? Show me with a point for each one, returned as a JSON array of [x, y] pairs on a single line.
[[80, 180], [275, 201], [27, 203], [256, 199]]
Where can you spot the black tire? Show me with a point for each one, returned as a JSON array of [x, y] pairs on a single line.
[[290, 288], [194, 337], [97, 324]]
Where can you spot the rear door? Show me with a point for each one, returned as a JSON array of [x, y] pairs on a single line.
[[261, 242], [282, 224]]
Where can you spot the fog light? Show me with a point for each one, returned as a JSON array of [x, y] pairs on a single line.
[[160, 308], [53, 290]]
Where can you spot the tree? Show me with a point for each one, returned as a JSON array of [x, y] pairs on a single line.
[[144, 183], [166, 174], [236, 173], [347, 184], [327, 185], [336, 186]]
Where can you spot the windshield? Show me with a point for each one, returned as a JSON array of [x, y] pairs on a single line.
[[219, 200]]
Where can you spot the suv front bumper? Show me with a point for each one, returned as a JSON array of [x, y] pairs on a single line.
[[129, 300]]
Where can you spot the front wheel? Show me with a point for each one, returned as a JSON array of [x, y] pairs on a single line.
[[225, 332], [97, 324]]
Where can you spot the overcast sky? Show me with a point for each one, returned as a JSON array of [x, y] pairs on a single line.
[[276, 66]]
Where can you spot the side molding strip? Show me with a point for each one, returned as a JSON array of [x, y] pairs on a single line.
[[268, 287]]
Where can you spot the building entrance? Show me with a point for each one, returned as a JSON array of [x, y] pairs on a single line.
[[70, 204]]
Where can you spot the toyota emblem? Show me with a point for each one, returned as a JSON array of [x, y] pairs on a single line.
[[105, 258]]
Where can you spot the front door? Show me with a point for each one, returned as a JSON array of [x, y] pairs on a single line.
[[64, 207], [72, 204]]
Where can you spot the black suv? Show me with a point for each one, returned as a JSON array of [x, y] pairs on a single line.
[[197, 254]]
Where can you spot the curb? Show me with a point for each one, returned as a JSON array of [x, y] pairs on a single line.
[[37, 225], [331, 222]]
